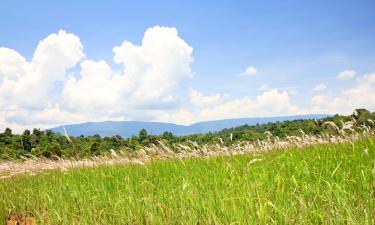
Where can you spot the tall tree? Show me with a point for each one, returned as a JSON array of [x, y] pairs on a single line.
[[26, 144], [8, 131], [142, 135]]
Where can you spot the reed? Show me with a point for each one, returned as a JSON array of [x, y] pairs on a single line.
[[305, 179]]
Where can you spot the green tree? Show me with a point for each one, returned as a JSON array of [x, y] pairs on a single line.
[[37, 132], [8, 131], [6, 138], [116, 141], [142, 135], [95, 148], [53, 148], [49, 135], [26, 144], [35, 137], [167, 135]]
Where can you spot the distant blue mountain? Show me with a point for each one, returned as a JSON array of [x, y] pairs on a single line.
[[129, 128]]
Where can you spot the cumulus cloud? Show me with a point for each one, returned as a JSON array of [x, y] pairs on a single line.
[[60, 85], [250, 71], [198, 99], [361, 95], [12, 64], [28, 88], [179, 116], [31, 84], [97, 88], [269, 103], [346, 74], [151, 72], [320, 87]]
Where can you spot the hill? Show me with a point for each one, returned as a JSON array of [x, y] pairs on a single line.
[[129, 128]]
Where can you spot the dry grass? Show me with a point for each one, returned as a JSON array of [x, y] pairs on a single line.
[[318, 184], [34, 165]]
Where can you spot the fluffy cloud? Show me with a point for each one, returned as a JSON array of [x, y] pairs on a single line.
[[180, 116], [269, 103], [198, 99], [51, 87], [320, 87], [151, 73], [61, 85], [97, 88], [31, 84], [361, 95], [346, 74], [250, 71], [154, 69], [12, 64]]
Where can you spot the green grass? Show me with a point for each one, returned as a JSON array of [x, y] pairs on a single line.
[[323, 184]]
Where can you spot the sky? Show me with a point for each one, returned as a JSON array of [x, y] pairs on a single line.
[[65, 62]]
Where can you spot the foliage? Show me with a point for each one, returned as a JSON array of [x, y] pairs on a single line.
[[48, 144], [320, 184]]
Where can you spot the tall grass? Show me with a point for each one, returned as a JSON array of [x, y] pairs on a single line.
[[348, 133], [319, 184]]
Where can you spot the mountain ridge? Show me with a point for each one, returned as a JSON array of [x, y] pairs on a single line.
[[129, 128]]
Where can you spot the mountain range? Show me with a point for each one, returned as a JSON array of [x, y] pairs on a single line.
[[129, 128]]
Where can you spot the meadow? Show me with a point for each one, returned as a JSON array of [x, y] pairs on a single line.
[[317, 184]]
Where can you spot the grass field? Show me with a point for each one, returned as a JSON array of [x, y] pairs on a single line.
[[322, 184]]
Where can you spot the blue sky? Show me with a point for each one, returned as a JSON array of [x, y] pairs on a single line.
[[294, 46]]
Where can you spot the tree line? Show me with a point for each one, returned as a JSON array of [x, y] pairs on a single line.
[[49, 144]]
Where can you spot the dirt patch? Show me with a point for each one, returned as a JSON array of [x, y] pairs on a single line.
[[15, 219]]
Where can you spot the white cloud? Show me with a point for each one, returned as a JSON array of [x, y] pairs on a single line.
[[361, 95], [273, 102], [269, 103], [180, 116], [61, 85], [97, 88], [151, 73], [31, 84], [250, 71], [346, 74], [320, 87], [198, 99], [154, 69], [12, 64]]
